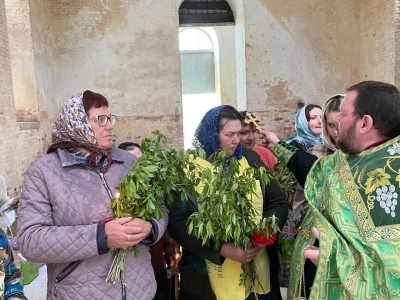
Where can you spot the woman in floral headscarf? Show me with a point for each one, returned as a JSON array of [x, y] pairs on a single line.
[[220, 130], [64, 210]]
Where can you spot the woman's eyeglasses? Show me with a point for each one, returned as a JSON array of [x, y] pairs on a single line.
[[103, 119]]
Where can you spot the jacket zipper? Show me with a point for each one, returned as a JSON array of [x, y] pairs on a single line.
[[72, 266], [123, 285], [104, 182]]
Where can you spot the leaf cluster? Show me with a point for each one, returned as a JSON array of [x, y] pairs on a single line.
[[225, 211], [151, 180], [286, 180]]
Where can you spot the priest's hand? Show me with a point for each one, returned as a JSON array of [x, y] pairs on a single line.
[[268, 139], [312, 252]]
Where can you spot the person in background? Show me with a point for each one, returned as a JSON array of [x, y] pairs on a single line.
[[330, 109], [353, 200], [162, 251], [249, 135], [65, 217], [131, 148], [330, 133], [220, 130], [308, 125], [11, 287]]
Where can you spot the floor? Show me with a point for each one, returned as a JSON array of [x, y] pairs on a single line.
[[36, 290]]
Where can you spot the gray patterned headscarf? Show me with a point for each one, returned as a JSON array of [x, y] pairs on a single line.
[[73, 130]]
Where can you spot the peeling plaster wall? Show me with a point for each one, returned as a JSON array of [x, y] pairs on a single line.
[[21, 130], [127, 50], [22, 59], [8, 126], [287, 53], [42, 48], [298, 52], [378, 40]]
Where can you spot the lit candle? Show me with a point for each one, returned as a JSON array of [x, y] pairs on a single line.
[[117, 201]]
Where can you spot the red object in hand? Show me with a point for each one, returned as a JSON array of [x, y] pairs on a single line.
[[260, 239]]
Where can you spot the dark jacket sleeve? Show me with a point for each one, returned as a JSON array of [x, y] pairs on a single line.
[[298, 161], [275, 202], [300, 165], [179, 212]]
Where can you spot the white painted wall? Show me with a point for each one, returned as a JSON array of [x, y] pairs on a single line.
[[227, 64]]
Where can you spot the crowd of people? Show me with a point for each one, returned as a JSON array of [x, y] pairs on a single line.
[[345, 157]]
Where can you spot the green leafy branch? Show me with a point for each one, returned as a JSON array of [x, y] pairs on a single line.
[[225, 210], [286, 180], [150, 181]]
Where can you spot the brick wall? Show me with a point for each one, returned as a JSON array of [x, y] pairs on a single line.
[[378, 40], [22, 130], [130, 129], [130, 54], [8, 157], [22, 60], [298, 51]]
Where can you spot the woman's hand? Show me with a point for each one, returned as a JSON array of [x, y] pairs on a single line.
[[268, 139], [238, 254], [258, 245], [125, 232]]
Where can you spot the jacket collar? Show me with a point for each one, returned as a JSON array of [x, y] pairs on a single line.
[[67, 158]]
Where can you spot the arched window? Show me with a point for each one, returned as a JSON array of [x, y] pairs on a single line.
[[194, 39], [199, 48], [197, 61]]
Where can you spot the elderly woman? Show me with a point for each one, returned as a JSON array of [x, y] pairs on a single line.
[[64, 211], [220, 130]]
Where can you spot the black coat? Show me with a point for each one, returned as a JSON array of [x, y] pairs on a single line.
[[195, 284]]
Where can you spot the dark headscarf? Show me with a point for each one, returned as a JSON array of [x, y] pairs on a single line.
[[206, 136], [73, 130]]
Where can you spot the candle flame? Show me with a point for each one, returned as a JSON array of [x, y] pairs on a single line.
[[117, 195]]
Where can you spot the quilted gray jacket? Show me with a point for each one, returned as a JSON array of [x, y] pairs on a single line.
[[60, 206]]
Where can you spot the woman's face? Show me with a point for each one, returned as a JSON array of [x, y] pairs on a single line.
[[248, 136], [103, 133], [331, 125], [315, 122], [229, 135]]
